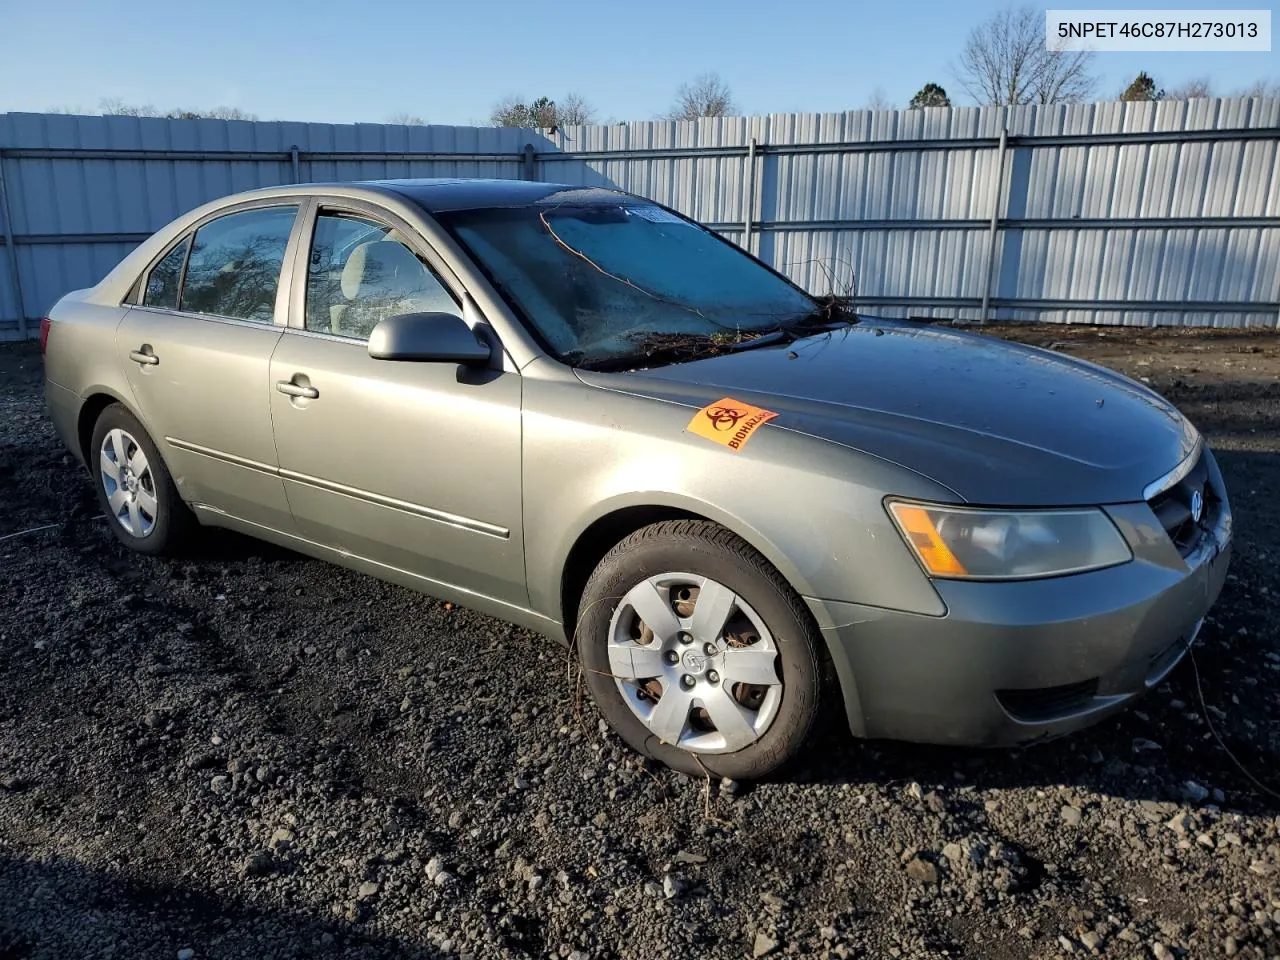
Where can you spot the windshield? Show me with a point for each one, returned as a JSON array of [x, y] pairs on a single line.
[[610, 277]]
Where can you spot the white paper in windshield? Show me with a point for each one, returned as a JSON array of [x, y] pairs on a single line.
[[654, 214]]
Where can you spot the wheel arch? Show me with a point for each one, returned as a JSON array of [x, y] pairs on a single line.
[[95, 401], [617, 521]]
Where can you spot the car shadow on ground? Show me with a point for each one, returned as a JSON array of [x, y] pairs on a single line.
[[1150, 751], [105, 913], [1118, 758]]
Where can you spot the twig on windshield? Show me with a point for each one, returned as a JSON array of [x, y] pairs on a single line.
[[849, 289]]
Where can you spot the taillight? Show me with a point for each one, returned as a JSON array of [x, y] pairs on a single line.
[[45, 324]]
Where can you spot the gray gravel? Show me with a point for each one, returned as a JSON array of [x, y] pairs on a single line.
[[251, 754]]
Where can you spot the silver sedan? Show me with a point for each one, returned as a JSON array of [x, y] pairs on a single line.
[[575, 410]]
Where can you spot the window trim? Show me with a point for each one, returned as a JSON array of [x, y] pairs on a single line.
[[472, 313], [138, 293], [280, 316], [384, 218]]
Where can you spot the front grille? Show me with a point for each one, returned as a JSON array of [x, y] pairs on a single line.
[[1043, 704], [1173, 508]]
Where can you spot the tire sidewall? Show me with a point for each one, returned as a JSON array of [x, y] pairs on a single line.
[[167, 501], [776, 605]]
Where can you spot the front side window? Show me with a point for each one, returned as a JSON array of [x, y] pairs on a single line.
[[166, 277], [602, 277], [234, 267], [361, 271]]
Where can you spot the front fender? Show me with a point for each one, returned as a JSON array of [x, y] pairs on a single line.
[[684, 503], [814, 509]]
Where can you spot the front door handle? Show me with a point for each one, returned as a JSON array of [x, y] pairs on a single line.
[[144, 356], [291, 389]]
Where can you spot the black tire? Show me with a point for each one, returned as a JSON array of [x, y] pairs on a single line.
[[173, 524], [707, 550]]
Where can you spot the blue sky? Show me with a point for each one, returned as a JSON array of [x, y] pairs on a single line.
[[449, 62]]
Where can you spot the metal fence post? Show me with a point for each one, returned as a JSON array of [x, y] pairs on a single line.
[[749, 200], [9, 235], [995, 218], [293, 160], [528, 163]]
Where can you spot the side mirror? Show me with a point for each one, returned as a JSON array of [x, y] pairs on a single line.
[[442, 337]]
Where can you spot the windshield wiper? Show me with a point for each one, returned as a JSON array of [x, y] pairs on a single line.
[[658, 349], [652, 349], [827, 317]]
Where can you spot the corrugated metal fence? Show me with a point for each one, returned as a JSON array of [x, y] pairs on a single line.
[[1133, 213]]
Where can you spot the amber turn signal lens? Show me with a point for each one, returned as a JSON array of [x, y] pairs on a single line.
[[918, 526]]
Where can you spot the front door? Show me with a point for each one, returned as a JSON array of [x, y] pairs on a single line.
[[196, 350], [412, 465]]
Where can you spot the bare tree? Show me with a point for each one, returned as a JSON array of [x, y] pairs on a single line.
[[1005, 61], [1201, 88], [1197, 88], [704, 96], [574, 109], [878, 100], [1260, 88], [512, 111], [406, 119], [115, 107], [224, 113]]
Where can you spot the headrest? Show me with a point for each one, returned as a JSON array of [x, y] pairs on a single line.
[[380, 264]]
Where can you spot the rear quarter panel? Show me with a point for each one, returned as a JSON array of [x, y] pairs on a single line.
[[81, 360]]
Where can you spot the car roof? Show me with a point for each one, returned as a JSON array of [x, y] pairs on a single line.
[[437, 195], [428, 195]]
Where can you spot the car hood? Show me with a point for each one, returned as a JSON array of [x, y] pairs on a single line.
[[997, 422]]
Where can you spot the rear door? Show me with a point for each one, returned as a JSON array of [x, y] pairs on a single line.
[[414, 465], [197, 348]]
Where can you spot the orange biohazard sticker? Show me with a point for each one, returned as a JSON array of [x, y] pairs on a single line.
[[729, 422]]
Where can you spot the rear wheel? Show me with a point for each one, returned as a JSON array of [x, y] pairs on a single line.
[[698, 653], [133, 485]]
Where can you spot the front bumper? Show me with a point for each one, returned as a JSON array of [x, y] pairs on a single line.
[[1018, 661]]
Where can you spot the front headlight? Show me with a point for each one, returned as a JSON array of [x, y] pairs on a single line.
[[963, 543]]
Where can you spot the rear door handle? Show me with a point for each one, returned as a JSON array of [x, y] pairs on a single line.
[[291, 389], [144, 356]]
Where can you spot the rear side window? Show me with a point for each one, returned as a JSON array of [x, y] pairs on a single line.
[[165, 278], [234, 267]]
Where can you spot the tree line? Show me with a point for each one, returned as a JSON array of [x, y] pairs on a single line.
[[1003, 62]]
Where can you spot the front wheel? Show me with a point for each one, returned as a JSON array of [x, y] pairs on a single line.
[[698, 653]]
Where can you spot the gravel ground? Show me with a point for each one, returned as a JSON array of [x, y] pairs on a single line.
[[252, 754]]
